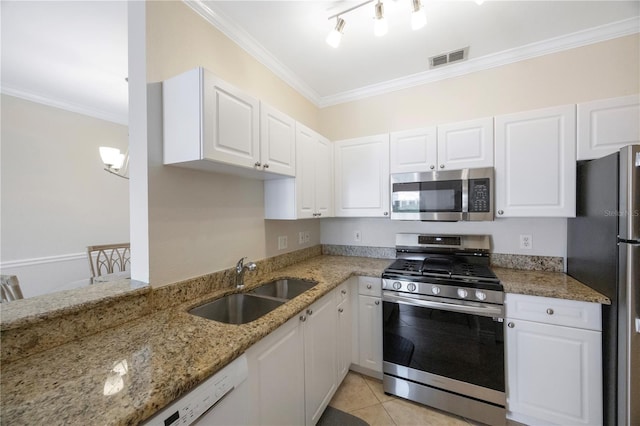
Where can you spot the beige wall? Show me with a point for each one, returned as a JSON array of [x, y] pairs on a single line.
[[602, 70], [56, 199], [203, 222]]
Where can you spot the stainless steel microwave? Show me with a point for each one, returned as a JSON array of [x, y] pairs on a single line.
[[452, 195]]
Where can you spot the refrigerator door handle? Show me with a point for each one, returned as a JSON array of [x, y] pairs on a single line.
[[638, 325]]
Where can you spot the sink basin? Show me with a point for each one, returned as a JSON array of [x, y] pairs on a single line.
[[236, 308], [284, 289]]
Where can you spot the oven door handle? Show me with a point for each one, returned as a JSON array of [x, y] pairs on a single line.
[[482, 310]]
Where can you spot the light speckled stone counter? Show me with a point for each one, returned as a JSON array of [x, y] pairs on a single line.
[[167, 353], [547, 284]]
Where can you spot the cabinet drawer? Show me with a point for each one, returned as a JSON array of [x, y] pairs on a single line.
[[570, 313], [370, 286]]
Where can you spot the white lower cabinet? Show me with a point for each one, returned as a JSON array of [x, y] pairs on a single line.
[[369, 353], [554, 361], [343, 329], [293, 372]]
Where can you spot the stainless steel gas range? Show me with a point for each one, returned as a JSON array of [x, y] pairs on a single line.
[[443, 316]]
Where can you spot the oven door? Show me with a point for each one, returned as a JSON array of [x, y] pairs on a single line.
[[455, 346]]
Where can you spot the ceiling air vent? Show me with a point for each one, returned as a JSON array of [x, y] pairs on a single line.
[[449, 57]]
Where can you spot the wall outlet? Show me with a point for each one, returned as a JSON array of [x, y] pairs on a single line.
[[300, 238], [526, 243], [307, 237], [282, 242], [357, 236]]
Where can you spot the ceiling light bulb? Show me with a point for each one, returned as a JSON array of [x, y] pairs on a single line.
[[380, 26], [335, 36], [418, 17]]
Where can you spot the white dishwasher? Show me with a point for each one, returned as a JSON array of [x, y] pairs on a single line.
[[221, 400]]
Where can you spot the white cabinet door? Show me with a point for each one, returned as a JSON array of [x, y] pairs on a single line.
[[413, 150], [306, 172], [553, 374], [231, 124], [362, 177], [277, 141], [606, 125], [535, 163], [323, 177], [276, 377], [344, 330], [320, 357], [466, 144], [370, 332]]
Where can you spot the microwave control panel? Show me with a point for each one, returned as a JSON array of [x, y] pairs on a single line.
[[479, 196]]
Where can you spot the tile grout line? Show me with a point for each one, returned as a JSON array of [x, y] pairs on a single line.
[[381, 403]]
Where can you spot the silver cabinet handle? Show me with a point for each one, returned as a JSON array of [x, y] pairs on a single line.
[[369, 286], [442, 166], [377, 302], [511, 325], [500, 212], [303, 318], [340, 310], [432, 167], [266, 166], [258, 164], [309, 312], [550, 311]]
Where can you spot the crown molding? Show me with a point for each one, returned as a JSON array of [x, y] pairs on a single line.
[[65, 105], [554, 45], [533, 50], [253, 48]]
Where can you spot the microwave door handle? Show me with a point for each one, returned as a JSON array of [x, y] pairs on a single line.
[[465, 196], [485, 311]]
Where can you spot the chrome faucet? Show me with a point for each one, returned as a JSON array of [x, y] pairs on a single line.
[[241, 268]]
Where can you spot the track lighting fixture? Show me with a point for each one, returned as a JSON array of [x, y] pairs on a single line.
[[335, 36], [380, 26], [418, 17]]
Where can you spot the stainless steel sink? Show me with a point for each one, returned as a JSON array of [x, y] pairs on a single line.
[[237, 308], [287, 288]]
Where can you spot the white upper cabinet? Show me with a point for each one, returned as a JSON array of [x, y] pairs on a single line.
[[310, 193], [606, 125], [451, 146], [211, 125], [467, 144], [535, 163], [362, 177], [413, 150], [277, 141]]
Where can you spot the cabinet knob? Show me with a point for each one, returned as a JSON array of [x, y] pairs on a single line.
[[511, 325], [386, 213], [501, 212], [377, 302], [344, 292], [340, 310], [369, 286], [309, 312], [303, 318], [442, 166], [432, 167], [266, 166], [257, 164], [550, 311], [319, 214]]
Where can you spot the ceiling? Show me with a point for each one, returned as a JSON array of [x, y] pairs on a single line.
[[75, 53]]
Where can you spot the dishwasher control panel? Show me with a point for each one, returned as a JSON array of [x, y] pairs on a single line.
[[201, 399]]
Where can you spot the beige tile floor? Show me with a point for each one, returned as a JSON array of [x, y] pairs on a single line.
[[363, 397]]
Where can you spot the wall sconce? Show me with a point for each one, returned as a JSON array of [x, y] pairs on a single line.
[[115, 162]]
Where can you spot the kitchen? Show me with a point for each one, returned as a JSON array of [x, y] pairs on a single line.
[[186, 228]]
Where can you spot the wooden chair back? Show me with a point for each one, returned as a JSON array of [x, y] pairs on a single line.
[[109, 258]]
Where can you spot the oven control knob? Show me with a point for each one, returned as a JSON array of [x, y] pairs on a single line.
[[397, 285], [481, 295], [411, 287], [435, 290], [462, 292]]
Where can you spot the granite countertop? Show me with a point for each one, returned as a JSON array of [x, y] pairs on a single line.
[[125, 374], [164, 355], [547, 284]]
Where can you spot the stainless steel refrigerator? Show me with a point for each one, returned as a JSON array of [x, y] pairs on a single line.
[[603, 252]]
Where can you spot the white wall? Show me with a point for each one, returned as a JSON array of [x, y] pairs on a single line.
[[56, 199], [548, 235]]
